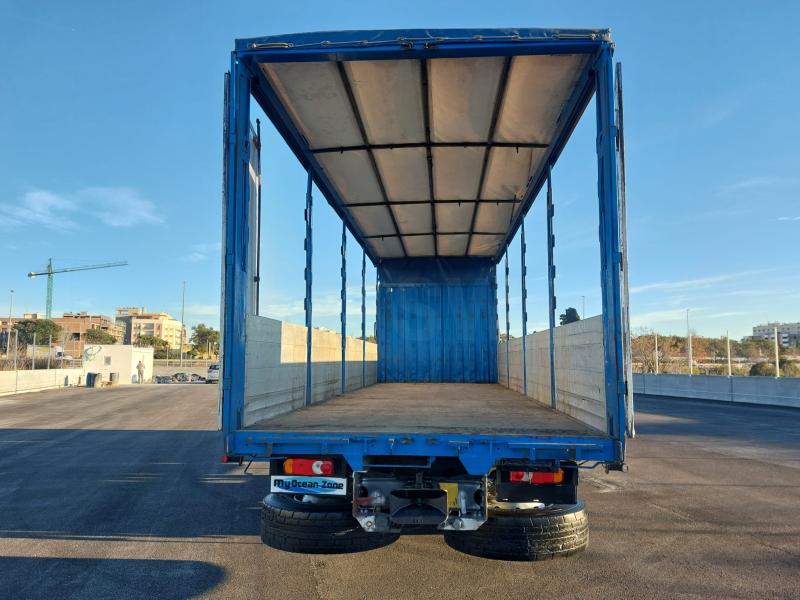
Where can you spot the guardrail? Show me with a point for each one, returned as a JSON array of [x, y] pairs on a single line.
[[751, 390]]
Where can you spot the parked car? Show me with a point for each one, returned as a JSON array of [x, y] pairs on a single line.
[[213, 373]]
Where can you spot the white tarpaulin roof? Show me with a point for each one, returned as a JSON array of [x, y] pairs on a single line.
[[429, 157]]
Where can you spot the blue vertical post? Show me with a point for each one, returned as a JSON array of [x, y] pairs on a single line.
[[309, 254], [610, 250], [236, 279], [551, 287], [524, 312], [363, 318], [344, 308], [508, 329]]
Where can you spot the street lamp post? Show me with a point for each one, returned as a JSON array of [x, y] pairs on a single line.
[[183, 307], [10, 310]]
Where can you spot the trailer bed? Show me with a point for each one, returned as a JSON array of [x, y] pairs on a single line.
[[427, 408]]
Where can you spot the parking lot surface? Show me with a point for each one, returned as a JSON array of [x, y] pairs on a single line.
[[119, 493]]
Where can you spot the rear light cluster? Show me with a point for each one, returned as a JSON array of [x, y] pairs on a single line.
[[536, 476], [307, 466]]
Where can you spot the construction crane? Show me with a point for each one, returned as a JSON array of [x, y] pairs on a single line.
[[51, 271]]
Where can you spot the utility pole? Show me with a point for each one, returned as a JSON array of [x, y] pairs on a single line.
[[183, 308], [656, 352], [777, 362], [689, 342], [728, 340], [10, 310], [583, 307]]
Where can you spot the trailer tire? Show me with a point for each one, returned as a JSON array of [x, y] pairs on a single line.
[[559, 530], [309, 528]]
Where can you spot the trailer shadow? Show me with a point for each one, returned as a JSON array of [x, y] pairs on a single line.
[[124, 485], [55, 578]]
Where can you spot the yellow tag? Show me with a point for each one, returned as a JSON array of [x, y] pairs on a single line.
[[452, 494]]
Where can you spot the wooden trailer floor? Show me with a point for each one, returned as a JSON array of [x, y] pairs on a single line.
[[459, 408]]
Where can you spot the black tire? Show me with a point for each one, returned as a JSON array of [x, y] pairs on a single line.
[[550, 532], [295, 526]]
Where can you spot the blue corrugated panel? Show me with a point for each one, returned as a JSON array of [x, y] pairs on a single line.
[[437, 321]]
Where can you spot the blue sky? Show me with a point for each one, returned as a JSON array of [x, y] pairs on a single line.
[[111, 149]]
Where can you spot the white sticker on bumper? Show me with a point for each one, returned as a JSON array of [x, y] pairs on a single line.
[[325, 486]]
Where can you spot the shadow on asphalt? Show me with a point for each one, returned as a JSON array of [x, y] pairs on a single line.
[[741, 423], [53, 578], [124, 485]]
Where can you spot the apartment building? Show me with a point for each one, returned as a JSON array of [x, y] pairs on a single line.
[[136, 322], [788, 333]]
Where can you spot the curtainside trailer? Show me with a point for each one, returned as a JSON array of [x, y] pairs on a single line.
[[431, 146]]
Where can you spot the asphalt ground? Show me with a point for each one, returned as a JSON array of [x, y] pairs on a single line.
[[119, 493]]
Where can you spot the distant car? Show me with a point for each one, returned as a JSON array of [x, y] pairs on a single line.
[[213, 373]]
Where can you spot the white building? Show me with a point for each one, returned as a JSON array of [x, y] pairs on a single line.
[[116, 358], [788, 333]]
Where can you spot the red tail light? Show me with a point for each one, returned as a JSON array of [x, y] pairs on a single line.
[[536, 476], [307, 466]]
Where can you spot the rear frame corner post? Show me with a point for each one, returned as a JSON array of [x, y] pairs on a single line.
[[551, 286], [344, 307], [309, 248], [523, 275]]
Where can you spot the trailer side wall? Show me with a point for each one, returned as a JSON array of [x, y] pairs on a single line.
[[275, 367], [580, 377]]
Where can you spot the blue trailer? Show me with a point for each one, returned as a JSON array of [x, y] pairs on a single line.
[[431, 146]]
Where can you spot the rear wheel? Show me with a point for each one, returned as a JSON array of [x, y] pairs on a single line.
[[313, 525], [529, 534]]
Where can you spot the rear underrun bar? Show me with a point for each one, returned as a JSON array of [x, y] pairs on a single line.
[[360, 122], [498, 103]]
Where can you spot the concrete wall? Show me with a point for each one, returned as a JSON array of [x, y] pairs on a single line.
[[579, 369], [783, 391], [12, 382], [275, 367]]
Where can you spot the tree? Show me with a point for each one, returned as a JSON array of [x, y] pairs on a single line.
[[767, 369], [150, 341], [204, 338], [43, 328], [100, 336], [569, 316]]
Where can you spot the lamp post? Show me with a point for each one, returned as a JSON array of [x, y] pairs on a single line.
[[10, 310]]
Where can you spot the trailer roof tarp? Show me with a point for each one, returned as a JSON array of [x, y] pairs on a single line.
[[429, 152]]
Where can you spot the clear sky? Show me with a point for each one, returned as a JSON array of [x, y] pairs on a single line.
[[110, 149]]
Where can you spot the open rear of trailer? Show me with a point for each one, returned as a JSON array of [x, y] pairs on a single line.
[[431, 146]]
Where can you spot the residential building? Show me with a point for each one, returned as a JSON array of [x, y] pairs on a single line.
[[788, 333], [137, 322], [75, 326]]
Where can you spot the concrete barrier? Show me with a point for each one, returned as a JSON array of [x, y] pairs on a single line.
[[752, 390], [14, 382]]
